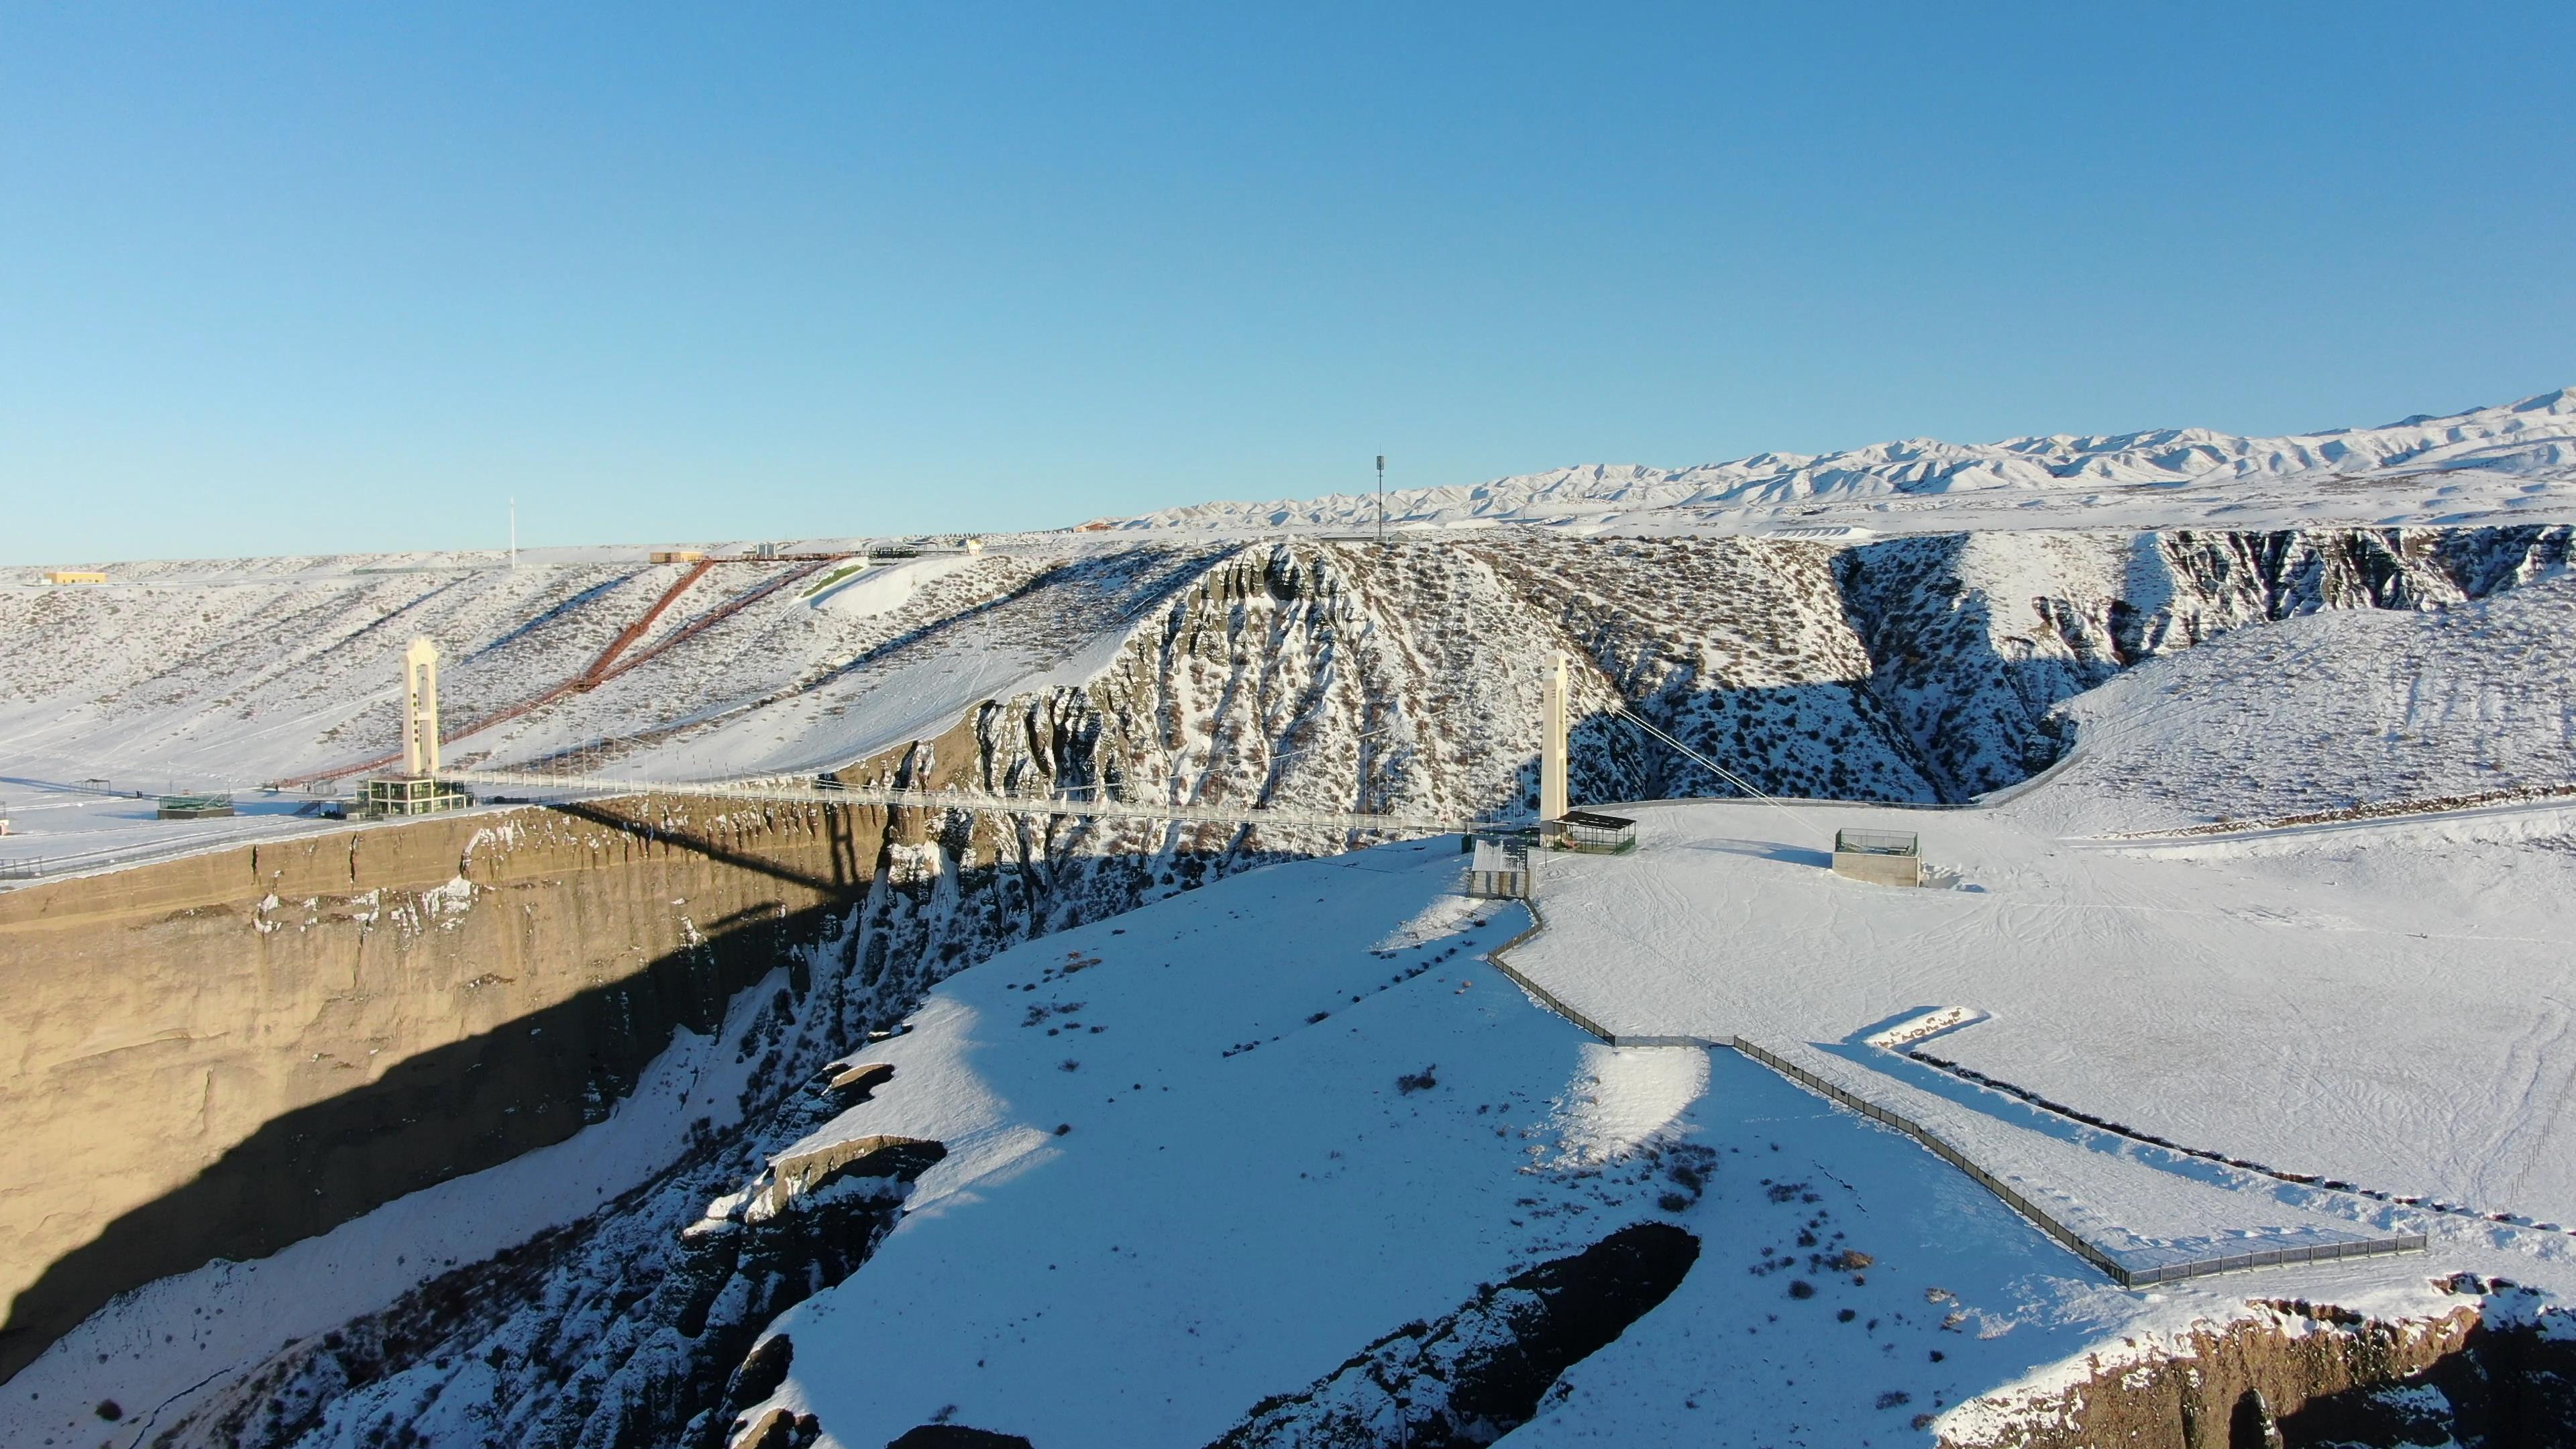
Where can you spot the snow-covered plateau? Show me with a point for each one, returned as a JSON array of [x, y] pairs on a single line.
[[2244, 772]]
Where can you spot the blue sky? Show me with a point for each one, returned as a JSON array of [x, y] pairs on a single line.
[[281, 278]]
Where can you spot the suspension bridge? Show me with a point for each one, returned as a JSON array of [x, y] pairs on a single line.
[[823, 790]]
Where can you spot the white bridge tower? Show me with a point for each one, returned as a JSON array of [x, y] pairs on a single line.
[[1551, 756], [420, 709]]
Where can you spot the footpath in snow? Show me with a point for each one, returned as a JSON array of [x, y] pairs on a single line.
[[2258, 1009]]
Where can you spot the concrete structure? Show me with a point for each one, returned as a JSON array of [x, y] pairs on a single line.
[[1560, 827], [1881, 857], [420, 708], [1499, 869], [74, 576], [1551, 728], [417, 790]]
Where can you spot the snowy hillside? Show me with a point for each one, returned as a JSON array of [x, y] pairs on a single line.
[[2517, 460], [2330, 713], [1378, 1171], [1310, 672]]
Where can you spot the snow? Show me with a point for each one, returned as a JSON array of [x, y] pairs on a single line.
[[1221, 1224], [2487, 464], [2401, 1030], [70, 829], [2332, 711], [230, 675], [886, 588], [1298, 1112], [1244, 1198], [1623, 1099]]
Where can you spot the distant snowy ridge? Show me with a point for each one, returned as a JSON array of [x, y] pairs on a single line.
[[2534, 440]]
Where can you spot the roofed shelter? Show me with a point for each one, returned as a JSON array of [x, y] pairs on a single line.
[[1592, 834]]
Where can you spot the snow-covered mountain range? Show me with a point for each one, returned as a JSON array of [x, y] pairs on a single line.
[[2489, 461], [933, 1136]]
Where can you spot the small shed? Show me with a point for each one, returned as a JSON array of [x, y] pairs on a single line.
[[1592, 834], [1882, 857], [74, 576], [408, 795], [679, 555], [1499, 869], [196, 807]]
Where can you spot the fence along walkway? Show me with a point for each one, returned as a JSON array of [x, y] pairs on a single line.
[[2121, 1269]]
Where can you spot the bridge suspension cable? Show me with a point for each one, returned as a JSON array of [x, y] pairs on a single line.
[[803, 790]]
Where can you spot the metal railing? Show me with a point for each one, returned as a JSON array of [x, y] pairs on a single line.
[[2125, 1273]]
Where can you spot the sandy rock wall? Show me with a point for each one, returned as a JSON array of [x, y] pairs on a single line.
[[2491, 1373], [218, 1055]]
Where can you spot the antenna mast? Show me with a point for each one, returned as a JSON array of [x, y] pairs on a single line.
[[1381, 500]]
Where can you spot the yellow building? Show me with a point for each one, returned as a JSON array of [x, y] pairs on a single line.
[[74, 576], [679, 555]]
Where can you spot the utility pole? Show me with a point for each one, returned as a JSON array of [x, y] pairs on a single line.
[[1381, 500], [514, 530]]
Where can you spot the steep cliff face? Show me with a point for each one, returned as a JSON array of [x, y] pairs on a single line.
[[235, 1051], [2494, 1373], [229, 1053], [1921, 670]]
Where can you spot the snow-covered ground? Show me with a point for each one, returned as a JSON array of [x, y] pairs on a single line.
[[2516, 461], [2380, 1006], [1212, 1161], [226, 678], [1299, 1116], [2329, 712], [1196, 1163], [62, 828]]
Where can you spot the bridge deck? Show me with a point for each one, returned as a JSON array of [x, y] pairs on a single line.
[[807, 791]]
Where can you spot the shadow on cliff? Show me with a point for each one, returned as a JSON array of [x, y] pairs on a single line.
[[443, 1113]]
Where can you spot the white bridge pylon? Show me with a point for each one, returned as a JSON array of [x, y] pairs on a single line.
[[420, 709]]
